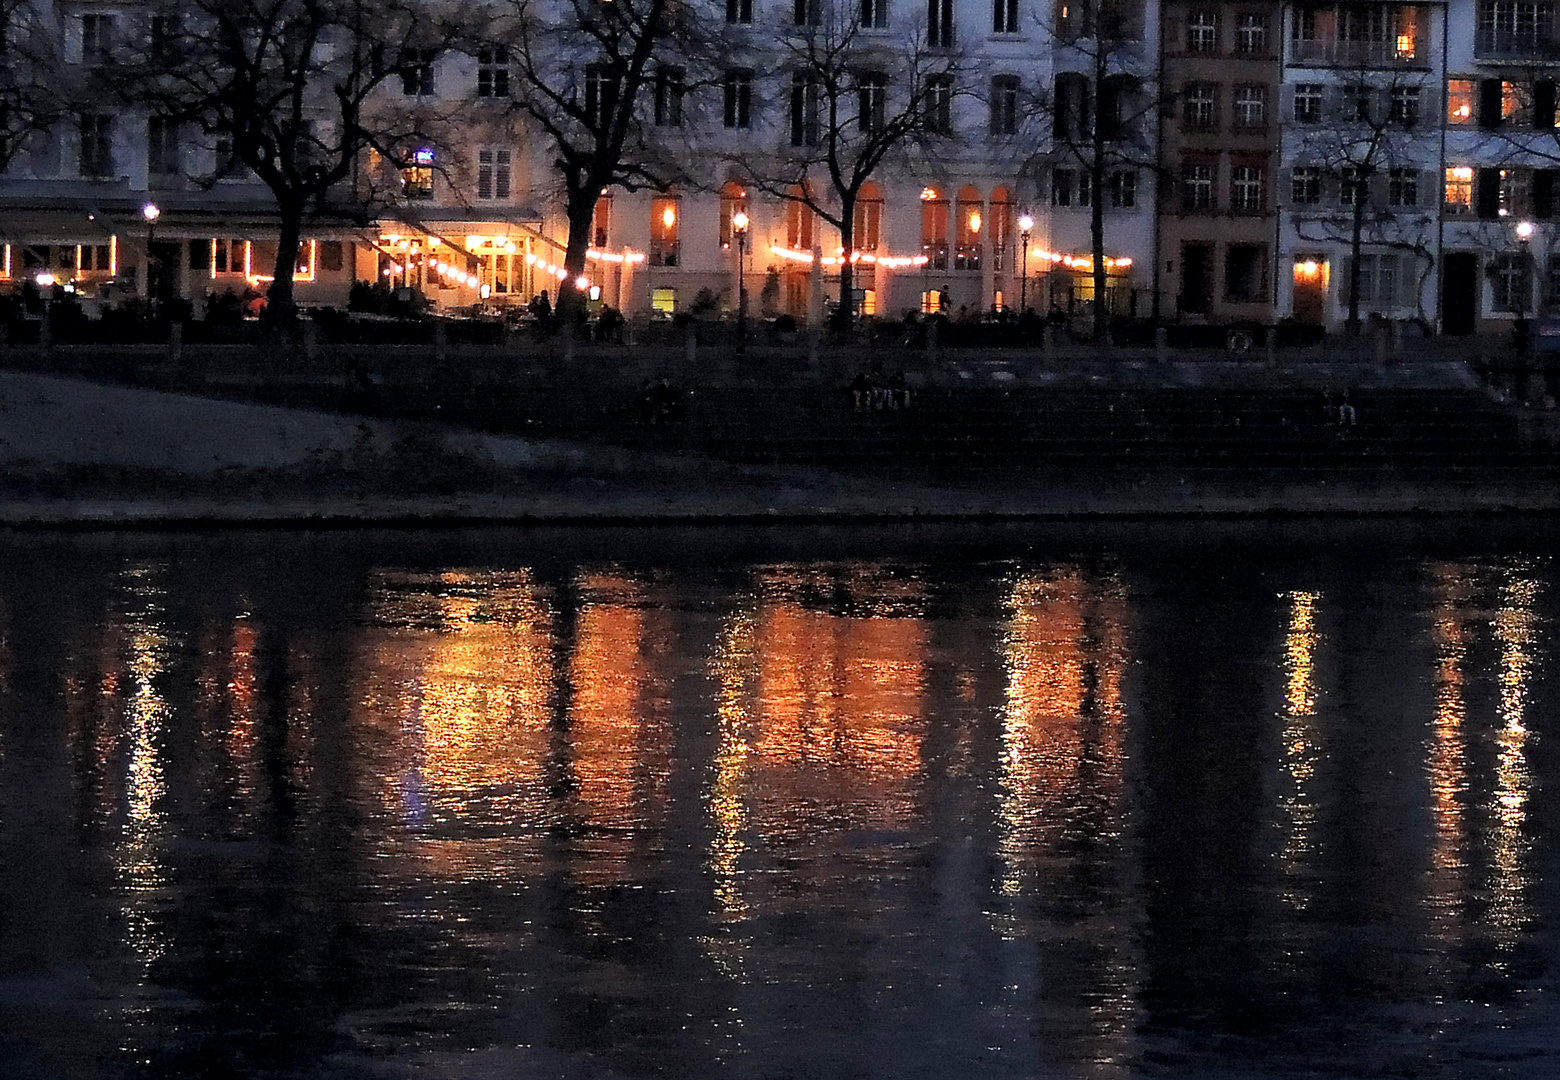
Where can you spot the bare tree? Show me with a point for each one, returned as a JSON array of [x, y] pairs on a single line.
[[1100, 109], [584, 74], [1374, 136], [856, 101], [31, 91], [291, 89]]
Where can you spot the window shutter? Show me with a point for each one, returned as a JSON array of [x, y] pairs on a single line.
[[1489, 103], [1285, 105], [1486, 194], [1430, 191], [1543, 193], [1544, 105], [1407, 281], [1286, 186], [1344, 291]]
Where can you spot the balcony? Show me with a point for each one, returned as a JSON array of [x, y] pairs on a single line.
[[1493, 44], [1404, 51]]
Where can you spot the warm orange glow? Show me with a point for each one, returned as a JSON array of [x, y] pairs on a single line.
[[669, 216]]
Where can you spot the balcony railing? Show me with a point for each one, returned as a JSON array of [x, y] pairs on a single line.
[[1505, 45], [1402, 51], [936, 253], [967, 257]]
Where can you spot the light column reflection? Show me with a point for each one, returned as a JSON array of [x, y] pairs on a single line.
[[1447, 759], [1510, 843], [1297, 803]]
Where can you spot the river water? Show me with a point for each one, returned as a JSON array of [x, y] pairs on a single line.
[[1146, 799]]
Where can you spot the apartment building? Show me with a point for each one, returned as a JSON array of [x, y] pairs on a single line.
[[1359, 211], [1218, 228]]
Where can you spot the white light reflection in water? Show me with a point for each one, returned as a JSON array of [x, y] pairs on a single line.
[[1302, 753], [1510, 844], [137, 855]]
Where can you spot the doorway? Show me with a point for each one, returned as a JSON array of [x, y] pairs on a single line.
[[1309, 303], [1196, 278], [1459, 292]]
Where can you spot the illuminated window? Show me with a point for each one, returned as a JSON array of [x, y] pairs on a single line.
[[1458, 197], [798, 221], [663, 300], [1459, 101], [869, 218], [665, 218], [417, 176], [732, 200], [934, 229]]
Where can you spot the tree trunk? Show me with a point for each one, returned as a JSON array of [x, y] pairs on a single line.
[[571, 301], [845, 314], [280, 306], [1356, 240]]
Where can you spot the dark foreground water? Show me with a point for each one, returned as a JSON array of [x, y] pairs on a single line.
[[1179, 800]]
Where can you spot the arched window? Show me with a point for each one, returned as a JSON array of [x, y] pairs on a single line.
[[1001, 228], [934, 228], [798, 221], [970, 220], [665, 219], [867, 229], [732, 199], [601, 221]]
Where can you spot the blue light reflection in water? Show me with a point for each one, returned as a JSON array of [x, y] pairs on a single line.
[[297, 807]]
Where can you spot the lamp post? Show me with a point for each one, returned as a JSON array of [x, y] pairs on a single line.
[[739, 226], [150, 213], [1025, 224], [1524, 283]]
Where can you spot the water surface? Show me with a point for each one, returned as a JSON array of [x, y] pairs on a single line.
[[1148, 799]]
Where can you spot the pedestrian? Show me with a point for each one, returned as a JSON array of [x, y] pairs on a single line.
[[861, 391], [899, 393]]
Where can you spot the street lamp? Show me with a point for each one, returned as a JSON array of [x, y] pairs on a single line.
[[1524, 283], [150, 213], [1025, 224], [739, 227]]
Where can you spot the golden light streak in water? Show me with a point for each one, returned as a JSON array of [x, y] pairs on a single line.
[[1510, 846], [732, 667], [459, 672], [1447, 760], [1297, 804], [137, 861]]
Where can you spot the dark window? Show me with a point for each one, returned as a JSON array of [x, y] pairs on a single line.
[[417, 72], [1004, 105], [493, 73], [97, 144], [872, 100], [873, 14], [669, 87], [739, 12], [1004, 16], [939, 104], [805, 96], [939, 23], [738, 104]]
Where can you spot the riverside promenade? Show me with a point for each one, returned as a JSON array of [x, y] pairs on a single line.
[[152, 441]]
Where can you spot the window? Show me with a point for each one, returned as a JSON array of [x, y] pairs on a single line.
[[1064, 183], [968, 222], [1459, 101], [1404, 109], [1514, 27], [1070, 119], [1246, 188], [225, 163], [1513, 103], [1305, 185], [1251, 34], [1402, 187], [1004, 105], [805, 94], [1245, 273], [1458, 197], [1353, 185], [939, 24], [665, 214], [1308, 103], [1250, 106], [872, 100], [493, 73], [417, 176], [601, 221], [1511, 282], [1513, 198], [663, 300], [601, 90], [1200, 104], [1380, 279], [1004, 16], [97, 144], [873, 14], [97, 39], [799, 221], [1197, 186], [807, 12], [162, 37], [417, 72], [1356, 103], [732, 201], [668, 96], [739, 12], [493, 174], [1202, 32], [738, 90], [939, 104], [1123, 189], [163, 155]]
